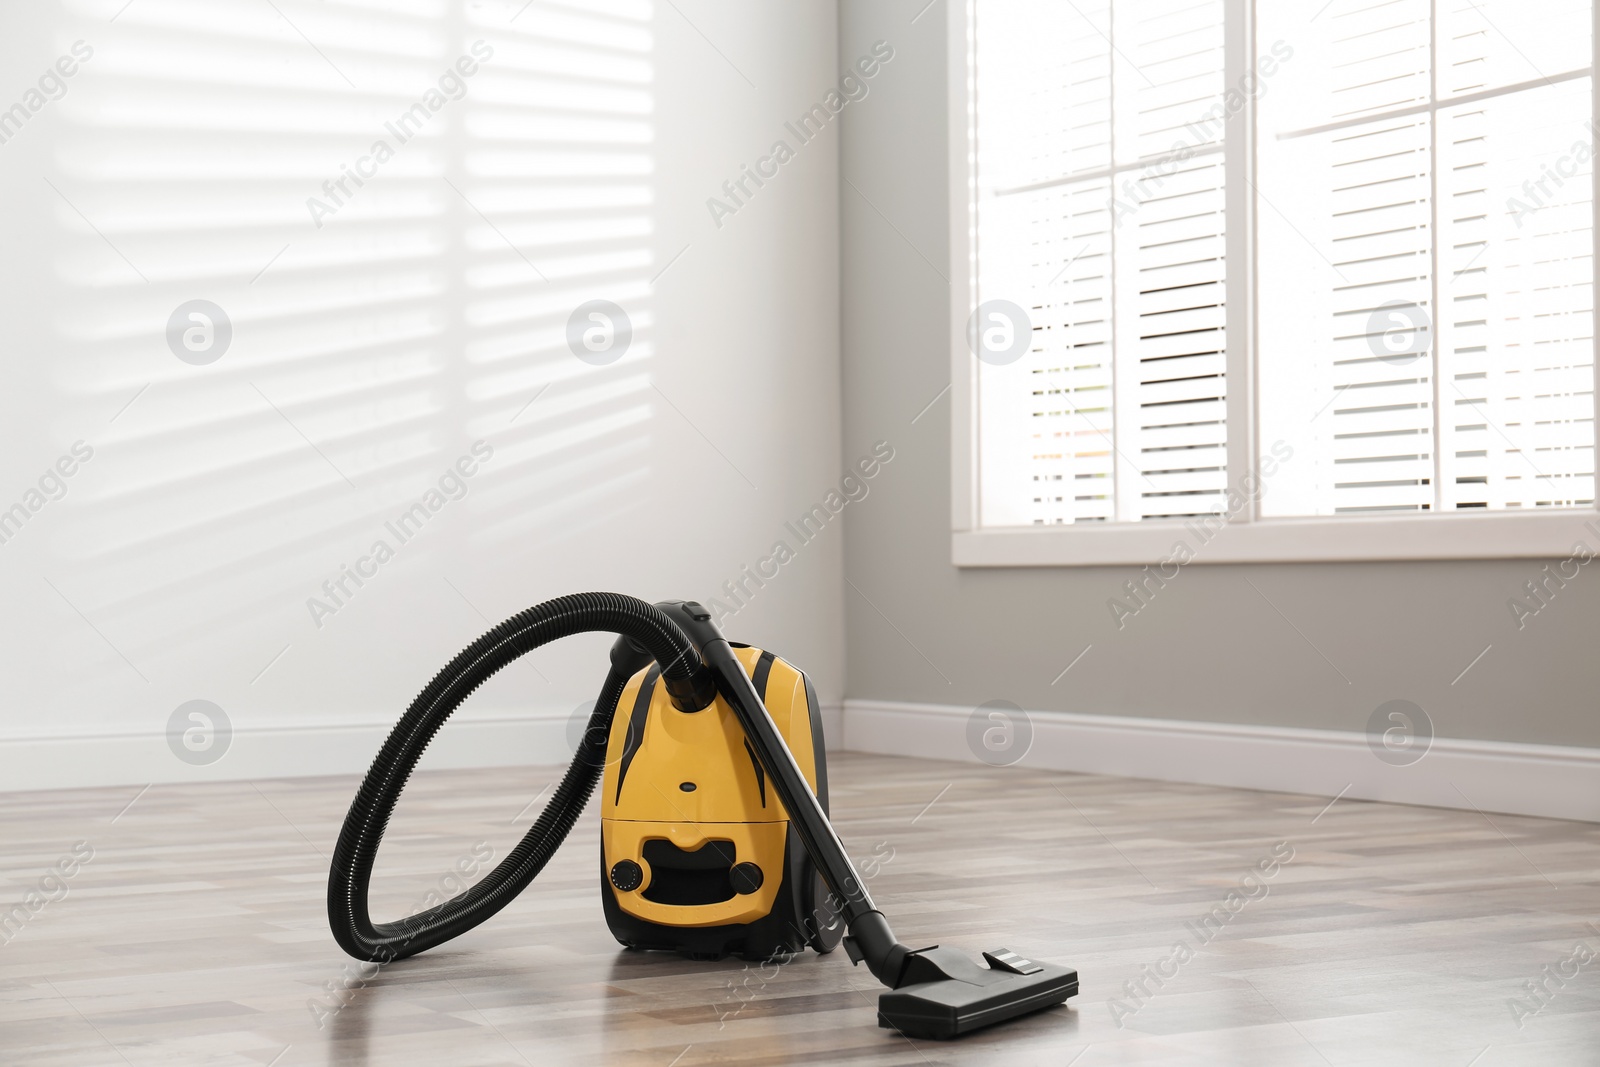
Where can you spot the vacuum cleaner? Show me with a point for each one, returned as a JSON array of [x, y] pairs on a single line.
[[715, 838]]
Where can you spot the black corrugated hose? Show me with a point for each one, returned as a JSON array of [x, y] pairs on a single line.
[[651, 635]]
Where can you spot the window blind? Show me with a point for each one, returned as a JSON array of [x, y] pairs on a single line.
[[1426, 256], [1423, 256], [1099, 212]]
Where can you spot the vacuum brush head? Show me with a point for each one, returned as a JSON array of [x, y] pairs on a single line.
[[942, 993]]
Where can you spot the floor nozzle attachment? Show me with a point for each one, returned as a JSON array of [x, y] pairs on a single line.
[[942, 993]]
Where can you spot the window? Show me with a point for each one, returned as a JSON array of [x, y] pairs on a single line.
[[1315, 275]]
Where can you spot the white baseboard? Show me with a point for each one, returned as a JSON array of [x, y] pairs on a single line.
[[1547, 780], [299, 751]]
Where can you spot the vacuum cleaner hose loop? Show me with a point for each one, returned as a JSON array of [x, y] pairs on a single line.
[[644, 625]]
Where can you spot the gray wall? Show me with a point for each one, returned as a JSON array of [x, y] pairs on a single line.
[[1208, 647]]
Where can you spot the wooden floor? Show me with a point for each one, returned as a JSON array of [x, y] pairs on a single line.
[[1380, 934]]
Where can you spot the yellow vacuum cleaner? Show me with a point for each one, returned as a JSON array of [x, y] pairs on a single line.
[[715, 837], [697, 850]]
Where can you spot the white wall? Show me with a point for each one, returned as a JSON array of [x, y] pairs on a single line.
[[372, 352]]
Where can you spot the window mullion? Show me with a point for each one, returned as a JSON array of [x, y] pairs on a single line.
[[1239, 219], [1437, 312], [1594, 238], [1124, 386]]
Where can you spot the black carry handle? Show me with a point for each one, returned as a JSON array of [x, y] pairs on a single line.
[[939, 992]]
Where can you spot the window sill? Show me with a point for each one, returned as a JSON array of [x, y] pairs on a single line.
[[1502, 535]]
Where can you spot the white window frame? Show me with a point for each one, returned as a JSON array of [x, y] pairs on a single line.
[[1248, 537]]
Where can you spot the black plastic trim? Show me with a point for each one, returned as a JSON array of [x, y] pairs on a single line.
[[636, 725], [696, 878], [763, 671], [761, 775], [779, 932], [819, 748]]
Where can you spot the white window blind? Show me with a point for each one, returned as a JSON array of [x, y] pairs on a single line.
[[1113, 243], [1426, 256], [1422, 257]]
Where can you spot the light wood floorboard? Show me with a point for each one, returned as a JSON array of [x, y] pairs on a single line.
[[196, 934]]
